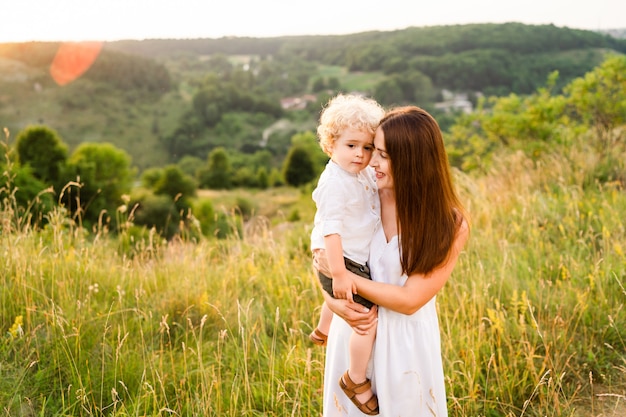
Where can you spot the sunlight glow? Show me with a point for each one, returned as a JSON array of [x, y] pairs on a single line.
[[72, 60]]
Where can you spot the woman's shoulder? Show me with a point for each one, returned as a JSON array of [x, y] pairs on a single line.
[[462, 231]]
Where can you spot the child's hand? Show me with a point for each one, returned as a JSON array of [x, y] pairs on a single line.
[[343, 288]]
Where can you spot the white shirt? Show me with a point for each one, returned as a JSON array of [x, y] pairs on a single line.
[[347, 205]]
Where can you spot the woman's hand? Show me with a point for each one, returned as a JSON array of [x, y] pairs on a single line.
[[320, 262], [360, 318]]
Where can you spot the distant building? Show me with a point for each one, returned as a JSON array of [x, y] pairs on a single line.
[[297, 103], [454, 102]]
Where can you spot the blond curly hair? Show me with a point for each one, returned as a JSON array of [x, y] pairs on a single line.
[[347, 111]]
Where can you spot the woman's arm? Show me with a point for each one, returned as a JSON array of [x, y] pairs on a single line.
[[418, 288], [360, 318]]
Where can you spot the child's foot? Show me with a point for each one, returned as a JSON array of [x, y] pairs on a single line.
[[360, 394], [318, 337]]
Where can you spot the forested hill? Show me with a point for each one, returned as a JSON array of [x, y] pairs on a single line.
[[434, 40], [492, 58], [161, 100]]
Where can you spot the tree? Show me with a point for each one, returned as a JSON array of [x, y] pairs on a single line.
[[309, 142], [190, 164], [318, 85], [176, 184], [298, 167], [158, 211], [24, 195], [150, 177], [388, 92], [104, 174], [218, 173], [166, 201], [42, 149], [204, 212], [598, 98], [333, 83], [262, 178]]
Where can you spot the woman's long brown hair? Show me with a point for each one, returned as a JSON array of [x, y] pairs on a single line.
[[429, 212]]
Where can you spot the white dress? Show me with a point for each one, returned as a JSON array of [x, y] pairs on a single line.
[[406, 367]]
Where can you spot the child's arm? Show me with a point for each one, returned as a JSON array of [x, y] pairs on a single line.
[[343, 285]]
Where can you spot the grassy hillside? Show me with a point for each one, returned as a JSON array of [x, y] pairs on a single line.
[[88, 110], [138, 93], [532, 320]]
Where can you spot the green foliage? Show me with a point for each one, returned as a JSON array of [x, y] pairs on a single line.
[[308, 141], [244, 207], [492, 58], [44, 151], [156, 211], [318, 85], [180, 98], [237, 131], [227, 225], [150, 177], [25, 197], [174, 183], [404, 88], [104, 175], [516, 120], [245, 177], [130, 72], [218, 97], [204, 212], [276, 178], [389, 93], [139, 241], [532, 320], [599, 99], [346, 81], [468, 148], [38, 54], [190, 165], [298, 168], [218, 173], [262, 178], [294, 216], [544, 121], [167, 202]]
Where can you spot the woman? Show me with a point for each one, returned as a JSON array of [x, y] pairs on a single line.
[[423, 230]]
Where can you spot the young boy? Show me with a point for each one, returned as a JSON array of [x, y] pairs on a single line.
[[348, 210]]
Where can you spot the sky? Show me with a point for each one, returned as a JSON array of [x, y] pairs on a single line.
[[109, 20]]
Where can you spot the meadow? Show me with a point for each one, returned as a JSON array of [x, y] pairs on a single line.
[[532, 321]]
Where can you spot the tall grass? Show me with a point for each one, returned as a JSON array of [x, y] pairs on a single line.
[[192, 329], [540, 293], [532, 321]]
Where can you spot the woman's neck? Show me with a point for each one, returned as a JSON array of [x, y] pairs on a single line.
[[388, 214]]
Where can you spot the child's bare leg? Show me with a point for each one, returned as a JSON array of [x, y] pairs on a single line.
[[320, 334], [360, 351], [326, 316]]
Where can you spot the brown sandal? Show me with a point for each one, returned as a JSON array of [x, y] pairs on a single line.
[[318, 337], [370, 407]]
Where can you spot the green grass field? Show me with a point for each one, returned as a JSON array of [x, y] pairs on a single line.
[[351, 81], [532, 321]]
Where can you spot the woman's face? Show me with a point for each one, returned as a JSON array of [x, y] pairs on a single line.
[[380, 162]]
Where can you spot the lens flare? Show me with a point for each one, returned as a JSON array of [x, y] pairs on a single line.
[[73, 59]]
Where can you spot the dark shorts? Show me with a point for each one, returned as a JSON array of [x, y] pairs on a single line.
[[361, 270]]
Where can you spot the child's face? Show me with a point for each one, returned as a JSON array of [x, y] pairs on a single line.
[[352, 150]]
